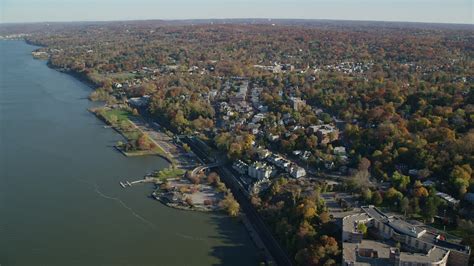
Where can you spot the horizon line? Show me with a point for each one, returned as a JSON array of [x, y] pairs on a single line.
[[243, 18]]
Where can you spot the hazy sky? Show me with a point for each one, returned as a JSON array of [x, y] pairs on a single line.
[[451, 11]]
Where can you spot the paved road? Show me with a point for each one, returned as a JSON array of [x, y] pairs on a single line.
[[204, 167]]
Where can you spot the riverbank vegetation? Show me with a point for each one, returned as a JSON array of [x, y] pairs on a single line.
[[102, 95]]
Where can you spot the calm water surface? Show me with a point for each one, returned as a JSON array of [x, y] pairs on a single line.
[[60, 201]]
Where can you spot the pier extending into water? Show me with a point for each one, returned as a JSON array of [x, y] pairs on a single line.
[[129, 184]]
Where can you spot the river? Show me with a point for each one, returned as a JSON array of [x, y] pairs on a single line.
[[60, 201]]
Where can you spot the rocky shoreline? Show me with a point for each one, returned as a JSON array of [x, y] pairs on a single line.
[[159, 196]]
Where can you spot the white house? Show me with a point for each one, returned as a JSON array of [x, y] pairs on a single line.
[[297, 171], [339, 150], [260, 170]]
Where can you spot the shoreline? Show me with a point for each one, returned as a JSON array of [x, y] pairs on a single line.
[[78, 75], [173, 189], [81, 77], [76, 155], [182, 208], [249, 227], [158, 149]]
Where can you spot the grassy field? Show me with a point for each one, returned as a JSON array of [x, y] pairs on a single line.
[[121, 114], [170, 172], [120, 77], [119, 119]]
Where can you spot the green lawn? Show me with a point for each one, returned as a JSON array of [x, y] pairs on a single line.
[[170, 173], [120, 77], [121, 114], [119, 119]]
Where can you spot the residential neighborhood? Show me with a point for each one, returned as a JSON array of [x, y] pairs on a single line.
[[329, 142]]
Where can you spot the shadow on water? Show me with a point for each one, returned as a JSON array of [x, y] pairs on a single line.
[[238, 248], [235, 248]]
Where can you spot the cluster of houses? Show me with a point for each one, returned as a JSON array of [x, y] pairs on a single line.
[[255, 100], [347, 67], [350, 67], [239, 106], [288, 166], [233, 109], [146, 74], [241, 94], [277, 68], [268, 165], [231, 115], [173, 68], [14, 36], [326, 133]]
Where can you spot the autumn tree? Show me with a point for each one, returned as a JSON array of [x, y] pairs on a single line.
[[213, 178], [377, 198], [143, 142], [362, 227], [419, 191], [461, 177], [393, 196], [189, 201], [400, 181], [230, 205]]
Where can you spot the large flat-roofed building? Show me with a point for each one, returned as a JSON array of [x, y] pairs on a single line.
[[417, 246]]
